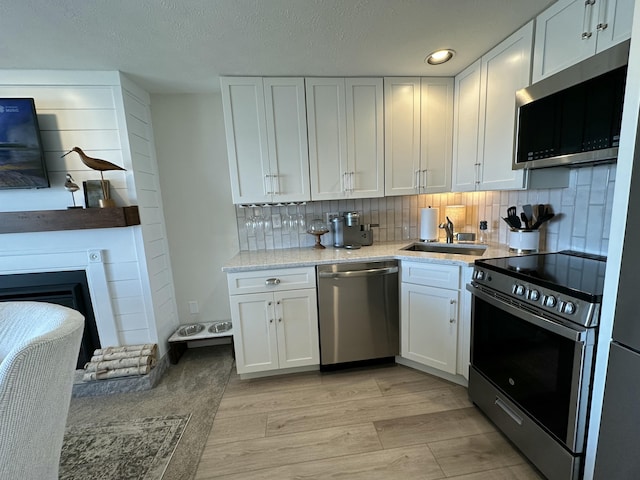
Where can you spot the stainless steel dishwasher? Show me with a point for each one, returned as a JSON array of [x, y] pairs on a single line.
[[358, 311]]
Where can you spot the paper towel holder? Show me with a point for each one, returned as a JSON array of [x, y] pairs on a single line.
[[429, 233]]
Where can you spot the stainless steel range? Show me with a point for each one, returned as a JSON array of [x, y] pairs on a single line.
[[533, 337]]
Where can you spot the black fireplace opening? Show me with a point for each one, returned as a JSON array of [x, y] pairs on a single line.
[[69, 288]]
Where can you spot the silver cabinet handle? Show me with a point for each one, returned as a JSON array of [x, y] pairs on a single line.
[[424, 179], [345, 182], [266, 185], [417, 181], [452, 317], [275, 180], [586, 19], [272, 281], [352, 182], [514, 416], [268, 182], [602, 17]]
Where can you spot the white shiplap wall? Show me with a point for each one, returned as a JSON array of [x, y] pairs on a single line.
[[153, 240], [96, 111]]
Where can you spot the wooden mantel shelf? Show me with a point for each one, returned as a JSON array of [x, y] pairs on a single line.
[[72, 219]]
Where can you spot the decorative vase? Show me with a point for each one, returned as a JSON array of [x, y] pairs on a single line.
[[318, 228]]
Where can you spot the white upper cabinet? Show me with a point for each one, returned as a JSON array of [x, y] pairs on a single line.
[[571, 30], [345, 120], [266, 130], [418, 135], [484, 116]]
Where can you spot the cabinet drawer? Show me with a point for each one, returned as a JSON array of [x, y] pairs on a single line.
[[271, 280], [431, 274]]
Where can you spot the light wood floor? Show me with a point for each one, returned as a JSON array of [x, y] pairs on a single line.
[[388, 423]]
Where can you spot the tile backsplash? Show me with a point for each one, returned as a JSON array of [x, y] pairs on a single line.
[[581, 222]]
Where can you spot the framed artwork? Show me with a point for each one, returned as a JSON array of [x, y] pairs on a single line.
[[93, 192]]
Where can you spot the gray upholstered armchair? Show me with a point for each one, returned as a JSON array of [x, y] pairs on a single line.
[[39, 345]]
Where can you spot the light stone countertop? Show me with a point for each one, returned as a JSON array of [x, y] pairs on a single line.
[[310, 257]]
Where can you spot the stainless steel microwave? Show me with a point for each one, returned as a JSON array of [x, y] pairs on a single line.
[[574, 116]]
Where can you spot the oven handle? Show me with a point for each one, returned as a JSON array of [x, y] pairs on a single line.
[[580, 335], [514, 416]]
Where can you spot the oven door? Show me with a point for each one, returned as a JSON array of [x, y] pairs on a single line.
[[534, 360]]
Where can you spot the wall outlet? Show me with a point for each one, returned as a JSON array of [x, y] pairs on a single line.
[[329, 215], [193, 307]]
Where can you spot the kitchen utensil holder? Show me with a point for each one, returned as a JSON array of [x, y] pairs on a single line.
[[524, 241]]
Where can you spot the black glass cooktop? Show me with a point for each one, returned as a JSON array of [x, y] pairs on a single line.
[[566, 271]]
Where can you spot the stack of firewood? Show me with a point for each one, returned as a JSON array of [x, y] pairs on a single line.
[[114, 362]]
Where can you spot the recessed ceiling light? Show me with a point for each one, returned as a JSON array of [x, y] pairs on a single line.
[[439, 56]]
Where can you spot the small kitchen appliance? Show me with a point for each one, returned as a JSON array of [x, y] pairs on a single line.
[[534, 322], [349, 233]]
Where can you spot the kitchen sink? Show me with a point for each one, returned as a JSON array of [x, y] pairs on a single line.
[[450, 248]]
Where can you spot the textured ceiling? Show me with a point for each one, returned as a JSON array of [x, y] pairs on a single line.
[[171, 46]]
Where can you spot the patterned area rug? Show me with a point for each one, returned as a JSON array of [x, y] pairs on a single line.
[[135, 449]]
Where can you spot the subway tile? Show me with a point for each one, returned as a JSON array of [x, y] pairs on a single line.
[[568, 196], [598, 194], [579, 244], [551, 242], [595, 223], [394, 213], [580, 215], [584, 176]]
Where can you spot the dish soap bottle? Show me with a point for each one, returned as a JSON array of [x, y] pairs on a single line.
[[483, 236]]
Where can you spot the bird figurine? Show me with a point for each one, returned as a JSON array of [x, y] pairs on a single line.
[[72, 187], [101, 166]]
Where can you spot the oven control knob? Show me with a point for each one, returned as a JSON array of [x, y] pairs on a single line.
[[568, 307], [533, 295], [517, 289], [549, 301]]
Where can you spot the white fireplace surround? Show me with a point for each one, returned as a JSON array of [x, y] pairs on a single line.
[[91, 261]]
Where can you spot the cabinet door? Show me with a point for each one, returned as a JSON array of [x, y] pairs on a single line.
[[254, 337], [436, 134], [429, 326], [614, 22], [286, 123], [505, 69], [326, 120], [297, 326], [365, 137], [559, 37], [401, 135], [466, 117], [246, 134]]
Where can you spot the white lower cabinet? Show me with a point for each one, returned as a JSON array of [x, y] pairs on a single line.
[[430, 326], [277, 327], [435, 318]]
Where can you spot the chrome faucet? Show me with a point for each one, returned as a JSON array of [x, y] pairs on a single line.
[[448, 228]]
